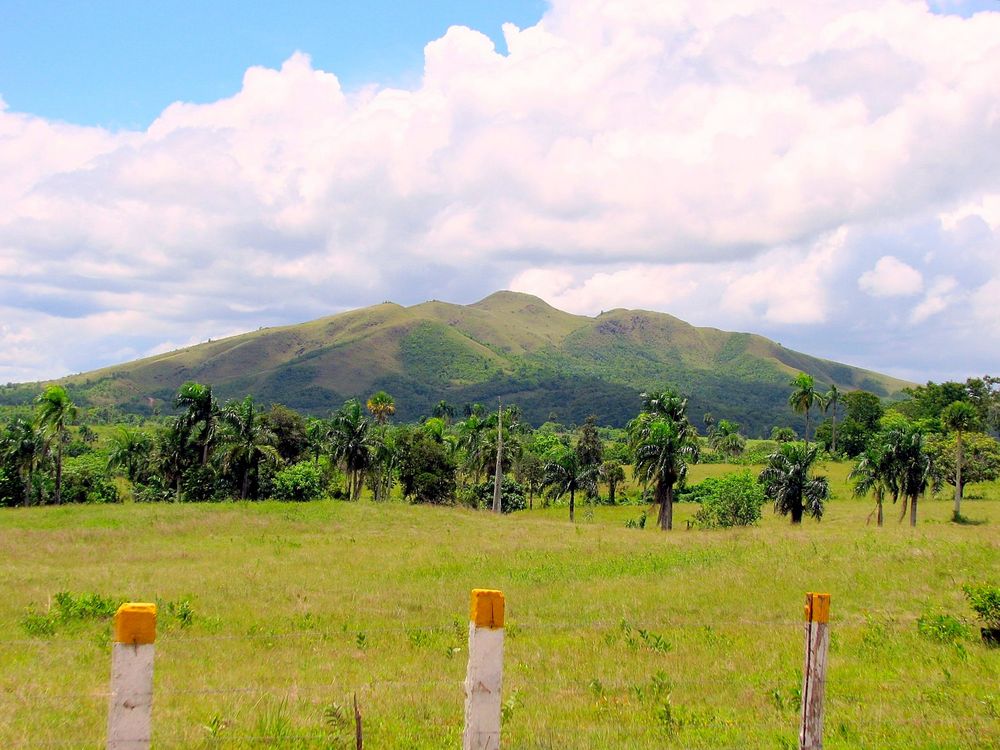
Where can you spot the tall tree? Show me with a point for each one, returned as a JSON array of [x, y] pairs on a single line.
[[804, 396], [662, 442], [246, 442], [566, 475], [612, 473], [725, 437], [54, 412], [130, 451], [589, 447], [201, 415], [382, 406], [352, 440], [787, 481], [911, 463], [22, 446], [445, 411], [830, 401], [959, 417], [874, 473]]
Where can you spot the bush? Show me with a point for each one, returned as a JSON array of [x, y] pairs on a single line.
[[301, 481], [985, 602], [511, 495], [85, 479], [942, 628], [733, 500], [426, 471]]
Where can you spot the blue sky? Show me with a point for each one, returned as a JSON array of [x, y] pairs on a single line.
[[825, 173], [119, 64]]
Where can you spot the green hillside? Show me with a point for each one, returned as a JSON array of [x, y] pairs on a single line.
[[509, 345]]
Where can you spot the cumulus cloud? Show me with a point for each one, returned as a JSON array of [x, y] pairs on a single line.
[[738, 163], [891, 277]]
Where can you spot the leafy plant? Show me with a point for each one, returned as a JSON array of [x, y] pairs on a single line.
[[733, 500], [942, 628], [985, 602]]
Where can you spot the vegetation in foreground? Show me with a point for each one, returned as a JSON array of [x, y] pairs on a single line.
[[273, 615]]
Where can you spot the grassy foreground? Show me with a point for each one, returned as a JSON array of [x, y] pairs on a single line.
[[617, 638]]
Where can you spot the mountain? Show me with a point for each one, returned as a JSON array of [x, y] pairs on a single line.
[[511, 346]]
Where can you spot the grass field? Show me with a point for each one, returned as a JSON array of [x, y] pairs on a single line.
[[617, 638]]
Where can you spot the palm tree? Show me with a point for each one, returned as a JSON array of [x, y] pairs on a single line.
[[612, 472], [662, 447], [445, 411], [384, 460], [912, 466], [22, 447], [201, 418], [129, 451], [726, 438], [382, 406], [804, 396], [54, 411], [875, 473], [830, 401], [472, 433], [959, 417], [665, 403], [246, 441], [787, 482], [351, 441], [318, 435], [174, 455], [566, 475]]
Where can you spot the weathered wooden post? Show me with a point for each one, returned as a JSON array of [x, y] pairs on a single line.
[[485, 673], [131, 704], [814, 672]]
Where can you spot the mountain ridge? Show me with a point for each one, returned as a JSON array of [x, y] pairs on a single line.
[[507, 345]]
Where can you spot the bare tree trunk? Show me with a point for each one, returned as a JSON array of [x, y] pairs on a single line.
[[572, 505], [807, 427], [913, 511], [611, 492], [835, 429], [958, 476], [664, 497], [58, 469], [498, 476], [902, 513], [880, 518]]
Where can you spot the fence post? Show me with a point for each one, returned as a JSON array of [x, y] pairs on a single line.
[[131, 703], [817, 629], [485, 673]]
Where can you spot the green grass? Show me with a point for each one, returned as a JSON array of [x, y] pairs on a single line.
[[275, 614]]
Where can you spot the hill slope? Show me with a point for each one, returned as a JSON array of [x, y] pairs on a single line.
[[509, 345]]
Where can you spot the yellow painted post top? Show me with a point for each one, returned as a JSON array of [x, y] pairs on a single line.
[[817, 607], [487, 608], [135, 622]]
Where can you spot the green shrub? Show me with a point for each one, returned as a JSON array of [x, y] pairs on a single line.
[[732, 500], [86, 479], [942, 628], [511, 495], [301, 481], [985, 602]]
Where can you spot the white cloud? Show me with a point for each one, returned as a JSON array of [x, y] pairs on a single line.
[[939, 296], [891, 277], [629, 153]]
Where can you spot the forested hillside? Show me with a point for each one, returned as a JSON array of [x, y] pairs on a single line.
[[511, 346]]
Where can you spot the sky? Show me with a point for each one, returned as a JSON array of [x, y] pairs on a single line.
[[825, 173]]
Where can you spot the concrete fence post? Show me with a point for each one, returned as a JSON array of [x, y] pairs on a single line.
[[131, 703], [817, 631], [485, 672]]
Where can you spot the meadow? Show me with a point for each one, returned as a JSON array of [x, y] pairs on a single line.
[[273, 615]]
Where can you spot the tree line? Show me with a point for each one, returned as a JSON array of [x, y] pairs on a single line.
[[494, 458]]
